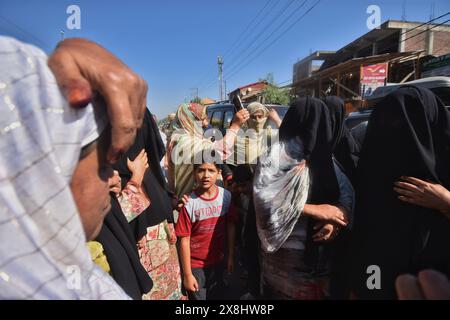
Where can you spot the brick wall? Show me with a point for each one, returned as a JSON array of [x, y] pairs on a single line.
[[441, 44]]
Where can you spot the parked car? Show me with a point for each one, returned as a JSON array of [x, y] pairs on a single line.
[[221, 114], [353, 119], [439, 85]]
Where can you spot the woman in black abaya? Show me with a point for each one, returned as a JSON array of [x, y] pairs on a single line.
[[408, 135], [345, 149], [297, 265], [122, 256], [148, 215]]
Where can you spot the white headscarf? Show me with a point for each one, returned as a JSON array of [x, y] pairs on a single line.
[[43, 254], [252, 108], [280, 191]]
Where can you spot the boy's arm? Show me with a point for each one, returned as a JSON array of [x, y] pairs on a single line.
[[190, 283], [231, 235]]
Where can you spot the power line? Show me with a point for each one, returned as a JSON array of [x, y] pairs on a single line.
[[267, 26], [283, 82], [280, 13], [418, 26], [211, 83], [247, 28], [269, 36], [423, 24], [276, 39], [435, 26], [417, 42], [27, 33], [207, 73]]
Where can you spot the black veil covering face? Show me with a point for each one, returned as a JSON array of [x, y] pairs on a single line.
[[154, 183], [345, 149], [119, 237], [408, 135], [309, 119]]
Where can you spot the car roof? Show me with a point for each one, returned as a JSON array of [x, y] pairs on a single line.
[[220, 106], [358, 114], [226, 105], [429, 83]]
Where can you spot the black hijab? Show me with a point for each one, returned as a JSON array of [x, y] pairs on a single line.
[[154, 183], [309, 119], [408, 135], [345, 149], [123, 258]]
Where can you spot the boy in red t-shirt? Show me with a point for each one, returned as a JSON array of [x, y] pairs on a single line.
[[205, 223]]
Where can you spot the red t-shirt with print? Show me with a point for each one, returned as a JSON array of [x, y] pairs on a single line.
[[205, 221]]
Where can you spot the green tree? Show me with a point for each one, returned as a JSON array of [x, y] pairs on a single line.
[[273, 94]]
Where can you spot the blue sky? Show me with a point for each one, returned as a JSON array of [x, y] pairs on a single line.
[[174, 44]]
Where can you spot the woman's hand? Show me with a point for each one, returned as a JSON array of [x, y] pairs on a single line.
[[82, 67], [139, 164], [275, 117], [428, 285], [190, 283], [239, 119], [138, 167], [424, 194], [327, 232], [328, 213]]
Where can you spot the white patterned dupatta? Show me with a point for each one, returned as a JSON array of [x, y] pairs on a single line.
[[42, 243], [280, 191]]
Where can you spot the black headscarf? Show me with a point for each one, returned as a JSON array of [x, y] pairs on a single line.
[[119, 237], [408, 135], [345, 149], [120, 249], [309, 119], [154, 183]]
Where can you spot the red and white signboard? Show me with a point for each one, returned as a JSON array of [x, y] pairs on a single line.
[[372, 77]]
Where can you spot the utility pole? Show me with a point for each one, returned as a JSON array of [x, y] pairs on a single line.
[[429, 38], [220, 64], [225, 82]]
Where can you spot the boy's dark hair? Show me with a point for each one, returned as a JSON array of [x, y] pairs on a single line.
[[243, 173], [196, 165], [208, 160]]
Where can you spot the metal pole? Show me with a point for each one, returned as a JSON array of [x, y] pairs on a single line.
[[220, 64], [225, 81]]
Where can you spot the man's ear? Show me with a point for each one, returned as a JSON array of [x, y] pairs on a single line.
[[220, 171]]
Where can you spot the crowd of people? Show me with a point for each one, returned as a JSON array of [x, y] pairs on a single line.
[[97, 202]]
